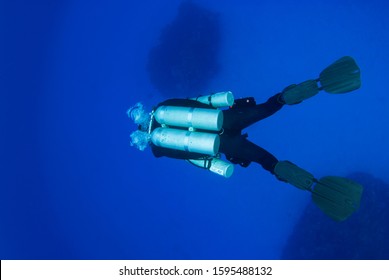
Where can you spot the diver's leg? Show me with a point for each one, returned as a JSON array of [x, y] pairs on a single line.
[[240, 118], [337, 197], [240, 150], [259, 155]]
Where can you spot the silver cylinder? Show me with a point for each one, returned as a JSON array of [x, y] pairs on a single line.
[[184, 140], [217, 166], [217, 100], [189, 117]]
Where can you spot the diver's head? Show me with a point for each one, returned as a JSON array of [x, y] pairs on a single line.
[[141, 137], [139, 116]]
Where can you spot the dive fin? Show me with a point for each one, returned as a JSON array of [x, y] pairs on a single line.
[[341, 76], [337, 197]]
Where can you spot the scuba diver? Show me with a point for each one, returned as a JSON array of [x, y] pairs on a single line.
[[196, 130]]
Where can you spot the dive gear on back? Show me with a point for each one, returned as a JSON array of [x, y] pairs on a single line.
[[189, 117], [179, 125], [217, 100], [215, 165], [185, 140]]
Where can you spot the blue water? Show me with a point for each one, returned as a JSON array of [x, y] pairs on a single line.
[[73, 188]]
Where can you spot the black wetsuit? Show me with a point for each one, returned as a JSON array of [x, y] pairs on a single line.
[[233, 144]]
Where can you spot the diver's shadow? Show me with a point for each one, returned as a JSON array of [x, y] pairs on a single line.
[[186, 56]]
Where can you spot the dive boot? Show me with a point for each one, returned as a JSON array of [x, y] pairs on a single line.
[[295, 94], [292, 174]]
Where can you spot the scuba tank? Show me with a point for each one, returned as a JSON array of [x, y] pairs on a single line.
[[217, 100], [178, 131], [185, 140], [215, 165], [189, 117]]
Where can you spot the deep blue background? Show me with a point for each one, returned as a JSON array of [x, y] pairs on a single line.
[[73, 188]]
